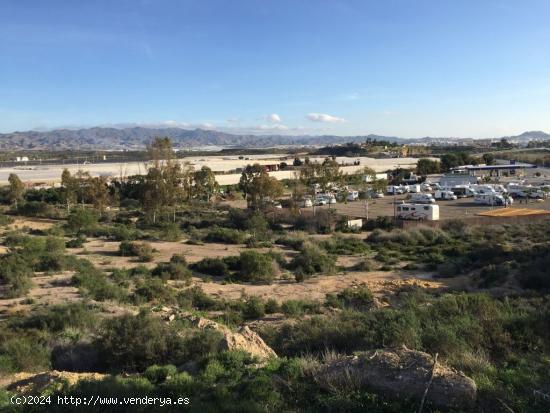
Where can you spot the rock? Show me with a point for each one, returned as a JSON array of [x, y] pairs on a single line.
[[244, 339], [400, 374], [36, 383]]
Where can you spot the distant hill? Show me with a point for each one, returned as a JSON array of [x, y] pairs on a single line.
[[137, 137], [528, 136], [99, 138]]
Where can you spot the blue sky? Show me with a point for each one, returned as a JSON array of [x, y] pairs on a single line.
[[408, 68]]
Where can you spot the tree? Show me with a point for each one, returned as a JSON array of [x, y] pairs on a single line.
[[488, 158], [16, 189], [98, 191], [70, 189], [258, 187], [166, 183], [205, 184], [426, 166]]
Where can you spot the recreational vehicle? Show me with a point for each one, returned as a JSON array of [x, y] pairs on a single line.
[[418, 212], [445, 195], [492, 199], [353, 195], [422, 199]]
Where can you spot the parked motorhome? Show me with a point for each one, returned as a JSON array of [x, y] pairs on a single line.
[[306, 203], [493, 199], [331, 199], [394, 189], [445, 195], [414, 188], [462, 191], [526, 191], [422, 199], [353, 195], [417, 212]]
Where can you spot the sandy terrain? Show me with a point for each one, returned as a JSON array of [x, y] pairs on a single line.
[[52, 173], [316, 288], [32, 223], [47, 290]]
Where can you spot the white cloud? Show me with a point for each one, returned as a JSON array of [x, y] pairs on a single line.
[[273, 118], [323, 117], [278, 127]]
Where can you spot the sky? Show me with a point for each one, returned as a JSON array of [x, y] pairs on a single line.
[[408, 68]]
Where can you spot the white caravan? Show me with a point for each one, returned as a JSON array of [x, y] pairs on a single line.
[[353, 195], [422, 199], [493, 200], [445, 195], [418, 212]]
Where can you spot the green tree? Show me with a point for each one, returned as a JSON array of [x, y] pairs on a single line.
[[70, 189], [258, 187], [426, 166], [205, 184], [488, 158], [16, 189]]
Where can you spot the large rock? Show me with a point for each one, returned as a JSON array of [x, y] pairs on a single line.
[[243, 339], [400, 374]]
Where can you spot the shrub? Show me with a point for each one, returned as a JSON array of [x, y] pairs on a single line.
[[133, 343], [382, 222], [272, 306], [171, 271], [212, 266], [254, 308], [294, 242], [344, 246], [77, 242], [158, 374], [82, 219], [142, 250], [16, 274], [360, 298], [93, 283], [170, 231], [364, 265], [226, 236], [256, 267], [153, 290], [23, 353], [312, 260]]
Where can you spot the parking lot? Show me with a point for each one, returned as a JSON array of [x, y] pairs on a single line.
[[460, 208]]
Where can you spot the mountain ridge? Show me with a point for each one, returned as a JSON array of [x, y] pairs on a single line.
[[136, 137]]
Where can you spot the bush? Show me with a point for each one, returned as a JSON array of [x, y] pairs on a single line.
[[158, 374], [170, 231], [23, 353], [81, 220], [254, 308], [344, 246], [226, 236], [16, 274], [312, 260], [153, 290], [212, 266], [142, 250], [272, 306], [171, 271], [94, 284], [360, 298], [256, 267], [133, 343], [77, 242]]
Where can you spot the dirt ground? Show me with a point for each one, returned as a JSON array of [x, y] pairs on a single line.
[[317, 287]]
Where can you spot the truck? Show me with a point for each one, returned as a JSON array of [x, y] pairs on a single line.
[[445, 194], [417, 212], [493, 199], [422, 199]]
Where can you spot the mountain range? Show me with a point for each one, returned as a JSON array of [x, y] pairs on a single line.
[[132, 138]]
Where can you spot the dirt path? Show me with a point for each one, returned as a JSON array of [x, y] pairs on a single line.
[[316, 288], [47, 290]]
